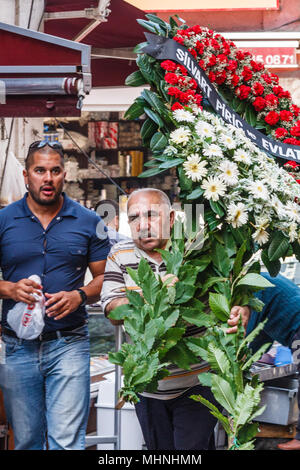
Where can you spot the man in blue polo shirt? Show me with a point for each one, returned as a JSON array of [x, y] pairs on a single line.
[[45, 381]]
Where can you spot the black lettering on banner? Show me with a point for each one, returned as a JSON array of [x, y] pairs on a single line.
[[165, 48]]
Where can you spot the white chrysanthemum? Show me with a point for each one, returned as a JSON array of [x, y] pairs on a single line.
[[241, 155], [258, 189], [213, 151], [194, 168], [229, 172], [214, 188], [204, 130], [180, 135], [227, 141], [260, 236], [293, 234], [278, 206], [237, 214], [293, 211], [183, 115]]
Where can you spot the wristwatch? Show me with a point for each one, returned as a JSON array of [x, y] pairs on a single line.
[[83, 297]]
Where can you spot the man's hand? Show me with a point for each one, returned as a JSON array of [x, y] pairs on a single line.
[[22, 291], [114, 304], [236, 313], [172, 280], [62, 303]]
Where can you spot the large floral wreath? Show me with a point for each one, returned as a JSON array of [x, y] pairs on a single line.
[[251, 216]]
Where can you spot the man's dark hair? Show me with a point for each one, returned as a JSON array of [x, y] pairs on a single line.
[[103, 209], [43, 149]]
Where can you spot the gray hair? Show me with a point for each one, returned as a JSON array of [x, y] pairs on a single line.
[[164, 198]]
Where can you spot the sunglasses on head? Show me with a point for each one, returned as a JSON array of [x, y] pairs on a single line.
[[38, 144]]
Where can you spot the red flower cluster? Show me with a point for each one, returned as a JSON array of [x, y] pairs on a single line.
[[247, 78], [180, 85]]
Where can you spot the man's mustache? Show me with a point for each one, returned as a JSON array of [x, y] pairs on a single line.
[[147, 234]]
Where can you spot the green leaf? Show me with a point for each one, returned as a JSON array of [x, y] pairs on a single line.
[[155, 117], [216, 208], [147, 130], [223, 393], [219, 306], [214, 411], [184, 292], [218, 360], [220, 259], [272, 266], [195, 194], [158, 142], [171, 163], [238, 263], [247, 432], [149, 25], [256, 304], [250, 337], [135, 110], [278, 246], [139, 47], [135, 298], [170, 339], [119, 313], [182, 356], [151, 172], [255, 281], [135, 79], [205, 379], [195, 317]]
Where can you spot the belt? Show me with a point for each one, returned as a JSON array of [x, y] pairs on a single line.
[[50, 335]]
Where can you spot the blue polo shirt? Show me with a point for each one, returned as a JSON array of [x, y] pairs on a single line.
[[59, 254]]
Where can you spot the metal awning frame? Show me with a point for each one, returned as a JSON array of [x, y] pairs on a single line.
[[83, 48]]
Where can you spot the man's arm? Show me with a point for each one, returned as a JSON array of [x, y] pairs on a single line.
[[63, 303]]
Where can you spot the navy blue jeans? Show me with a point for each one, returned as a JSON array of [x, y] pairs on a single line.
[[46, 391], [177, 424]]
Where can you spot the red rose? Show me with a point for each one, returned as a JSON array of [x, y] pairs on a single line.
[[291, 141], [173, 91], [292, 164], [240, 55], [274, 77], [258, 89], [198, 99], [234, 80], [259, 104], [286, 115], [247, 74], [256, 66], [179, 40], [296, 110], [271, 99], [199, 47], [176, 105], [215, 44], [232, 65], [285, 94], [222, 58], [197, 29], [272, 118], [277, 90], [168, 65], [281, 132], [295, 131], [212, 76], [193, 52], [202, 64], [266, 78], [212, 61], [242, 92], [171, 78], [182, 69], [193, 83], [220, 77]]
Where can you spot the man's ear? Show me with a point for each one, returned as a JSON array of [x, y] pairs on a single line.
[[25, 174], [172, 217]]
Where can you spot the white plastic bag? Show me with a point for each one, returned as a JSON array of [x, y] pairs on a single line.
[[28, 320]]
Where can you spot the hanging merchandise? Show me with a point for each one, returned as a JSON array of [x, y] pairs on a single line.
[[12, 184]]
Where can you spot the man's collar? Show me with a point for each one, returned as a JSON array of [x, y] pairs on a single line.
[[142, 254], [68, 209]]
